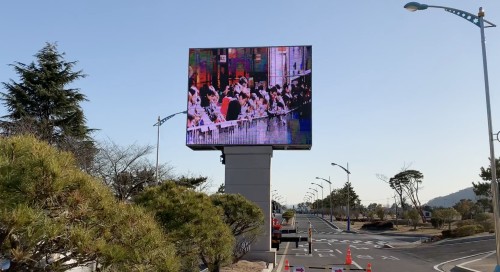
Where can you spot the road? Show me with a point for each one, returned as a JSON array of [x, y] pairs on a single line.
[[329, 249]]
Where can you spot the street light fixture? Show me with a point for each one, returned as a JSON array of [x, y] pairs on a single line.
[[479, 21], [348, 194], [331, 207], [316, 198], [321, 207], [158, 124]]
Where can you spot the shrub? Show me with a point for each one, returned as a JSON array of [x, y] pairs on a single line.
[[192, 222], [485, 220], [288, 215], [243, 217], [378, 225], [48, 207], [449, 233], [466, 231], [467, 222]]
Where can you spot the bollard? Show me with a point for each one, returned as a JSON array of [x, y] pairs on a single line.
[[369, 267], [287, 266], [310, 238]]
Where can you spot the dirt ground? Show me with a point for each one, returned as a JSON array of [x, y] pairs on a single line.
[[245, 266]]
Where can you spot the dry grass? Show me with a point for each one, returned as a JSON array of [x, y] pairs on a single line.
[[245, 266]]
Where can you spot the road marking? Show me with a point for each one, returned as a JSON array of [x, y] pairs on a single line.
[[365, 257], [436, 267], [355, 247], [338, 251], [357, 265], [302, 255], [326, 255], [323, 250], [283, 257], [392, 258]]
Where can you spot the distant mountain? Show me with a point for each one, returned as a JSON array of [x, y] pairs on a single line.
[[452, 199]]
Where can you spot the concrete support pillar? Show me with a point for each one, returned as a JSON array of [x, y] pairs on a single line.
[[248, 172]]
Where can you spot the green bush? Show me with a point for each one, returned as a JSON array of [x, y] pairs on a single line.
[[467, 230], [288, 215], [485, 220], [192, 222], [48, 206], [467, 222]]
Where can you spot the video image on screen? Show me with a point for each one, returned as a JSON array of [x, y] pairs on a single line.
[[250, 96]]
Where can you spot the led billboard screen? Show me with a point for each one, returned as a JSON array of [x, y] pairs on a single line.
[[249, 96]]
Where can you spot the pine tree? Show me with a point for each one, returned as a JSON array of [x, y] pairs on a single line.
[[42, 103]]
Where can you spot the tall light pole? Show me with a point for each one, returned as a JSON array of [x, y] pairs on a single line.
[[316, 198], [479, 21], [311, 198], [158, 124], [321, 186], [331, 207], [307, 198], [348, 194]]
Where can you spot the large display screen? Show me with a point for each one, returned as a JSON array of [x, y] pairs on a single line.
[[249, 96]]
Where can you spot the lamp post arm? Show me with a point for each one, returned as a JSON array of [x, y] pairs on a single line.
[[160, 122], [317, 184], [346, 170], [465, 15], [414, 6], [324, 180]]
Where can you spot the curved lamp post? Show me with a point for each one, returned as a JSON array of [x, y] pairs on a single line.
[[330, 186], [307, 199], [348, 194], [311, 198], [316, 198], [321, 207], [158, 124], [480, 22]]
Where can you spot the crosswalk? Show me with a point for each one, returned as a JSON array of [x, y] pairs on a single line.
[[335, 232]]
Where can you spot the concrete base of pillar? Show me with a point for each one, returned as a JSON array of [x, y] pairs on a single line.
[[264, 256]]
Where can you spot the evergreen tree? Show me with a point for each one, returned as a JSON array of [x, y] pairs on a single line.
[[244, 218], [53, 217], [42, 102]]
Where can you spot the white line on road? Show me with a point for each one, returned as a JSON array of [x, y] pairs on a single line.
[[338, 251], [283, 257], [436, 267], [357, 265]]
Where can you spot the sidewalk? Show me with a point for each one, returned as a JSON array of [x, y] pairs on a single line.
[[484, 262]]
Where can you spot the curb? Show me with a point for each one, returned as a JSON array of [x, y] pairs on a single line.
[[459, 268]]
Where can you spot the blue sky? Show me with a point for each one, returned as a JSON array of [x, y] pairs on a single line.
[[390, 87]]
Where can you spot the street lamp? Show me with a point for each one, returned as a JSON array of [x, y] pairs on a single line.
[[321, 207], [348, 194], [310, 196], [479, 21], [316, 198], [158, 124], [331, 207]]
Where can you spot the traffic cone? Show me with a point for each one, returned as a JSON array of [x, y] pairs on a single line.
[[287, 265], [369, 267], [348, 259]]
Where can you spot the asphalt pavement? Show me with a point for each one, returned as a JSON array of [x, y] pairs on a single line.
[[484, 262]]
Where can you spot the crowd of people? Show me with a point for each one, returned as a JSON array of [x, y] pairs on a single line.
[[240, 102]]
